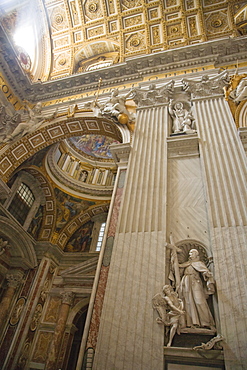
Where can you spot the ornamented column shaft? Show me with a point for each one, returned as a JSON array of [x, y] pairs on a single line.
[[138, 258], [13, 281], [67, 300], [224, 164]]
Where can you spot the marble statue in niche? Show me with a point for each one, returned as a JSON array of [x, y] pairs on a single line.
[[183, 306], [34, 120], [83, 176], [182, 118], [196, 285]]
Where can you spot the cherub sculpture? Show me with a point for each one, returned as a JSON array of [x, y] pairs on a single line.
[[170, 310]]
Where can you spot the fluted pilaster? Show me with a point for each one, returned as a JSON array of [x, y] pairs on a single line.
[[128, 336], [224, 164]]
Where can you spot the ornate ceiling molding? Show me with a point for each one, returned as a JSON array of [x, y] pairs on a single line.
[[219, 53]]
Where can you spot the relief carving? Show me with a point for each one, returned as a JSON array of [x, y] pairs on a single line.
[[3, 246]]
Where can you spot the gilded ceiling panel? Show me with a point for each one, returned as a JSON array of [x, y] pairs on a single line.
[[138, 27]]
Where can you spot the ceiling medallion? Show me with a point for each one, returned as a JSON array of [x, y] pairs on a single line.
[[93, 7], [174, 29], [135, 42], [58, 18], [62, 62], [24, 59], [216, 23]]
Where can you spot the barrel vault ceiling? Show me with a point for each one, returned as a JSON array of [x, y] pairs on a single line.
[[75, 36]]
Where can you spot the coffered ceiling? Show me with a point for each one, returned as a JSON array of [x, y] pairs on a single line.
[[74, 36]]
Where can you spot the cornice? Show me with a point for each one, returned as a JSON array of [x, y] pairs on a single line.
[[217, 53]]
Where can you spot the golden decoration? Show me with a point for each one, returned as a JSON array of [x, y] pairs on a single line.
[[123, 119], [216, 23], [59, 18], [135, 42], [93, 7]]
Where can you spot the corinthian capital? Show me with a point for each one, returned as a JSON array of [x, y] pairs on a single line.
[[206, 86], [14, 278], [153, 95], [67, 297]]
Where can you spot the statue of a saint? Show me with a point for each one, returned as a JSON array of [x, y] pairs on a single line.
[[183, 121], [196, 285]]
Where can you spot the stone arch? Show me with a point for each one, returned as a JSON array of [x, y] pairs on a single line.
[[21, 253], [49, 215], [77, 221], [15, 154], [241, 114]]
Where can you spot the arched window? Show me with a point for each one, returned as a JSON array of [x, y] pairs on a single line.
[[100, 237], [25, 198], [98, 232], [21, 203]]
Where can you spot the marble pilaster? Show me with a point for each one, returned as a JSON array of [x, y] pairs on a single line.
[[67, 301], [224, 166], [14, 279], [128, 337]]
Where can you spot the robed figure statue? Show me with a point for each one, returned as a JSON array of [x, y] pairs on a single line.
[[196, 285]]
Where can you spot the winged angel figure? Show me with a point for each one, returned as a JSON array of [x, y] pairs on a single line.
[[170, 310]]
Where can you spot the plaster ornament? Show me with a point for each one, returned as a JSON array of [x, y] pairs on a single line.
[[34, 121], [183, 120], [153, 95], [170, 310], [206, 86]]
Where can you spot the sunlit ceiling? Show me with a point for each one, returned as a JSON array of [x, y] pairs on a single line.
[[57, 38]]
